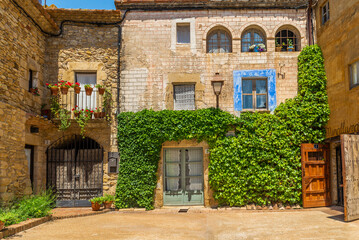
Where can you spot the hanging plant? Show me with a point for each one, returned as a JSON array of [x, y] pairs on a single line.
[[54, 88], [82, 119], [64, 86], [101, 89], [77, 88], [88, 89]]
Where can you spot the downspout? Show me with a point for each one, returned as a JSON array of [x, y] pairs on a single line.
[[309, 22]]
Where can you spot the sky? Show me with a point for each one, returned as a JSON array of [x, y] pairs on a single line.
[[84, 4]]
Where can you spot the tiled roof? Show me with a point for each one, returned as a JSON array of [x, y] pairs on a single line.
[[60, 14], [147, 4]]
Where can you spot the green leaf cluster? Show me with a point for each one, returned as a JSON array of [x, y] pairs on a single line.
[[260, 165], [140, 138]]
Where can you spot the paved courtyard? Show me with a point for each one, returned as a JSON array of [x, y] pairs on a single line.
[[322, 223]]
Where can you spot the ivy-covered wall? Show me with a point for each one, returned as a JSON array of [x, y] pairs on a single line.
[[261, 165]]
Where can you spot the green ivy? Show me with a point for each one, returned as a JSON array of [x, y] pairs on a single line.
[[140, 138], [261, 165]]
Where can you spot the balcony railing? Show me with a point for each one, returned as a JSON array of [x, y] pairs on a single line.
[[71, 101]]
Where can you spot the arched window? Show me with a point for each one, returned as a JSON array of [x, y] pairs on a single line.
[[219, 41], [253, 40], [287, 40]]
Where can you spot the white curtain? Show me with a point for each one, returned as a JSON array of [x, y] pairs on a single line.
[[84, 101]]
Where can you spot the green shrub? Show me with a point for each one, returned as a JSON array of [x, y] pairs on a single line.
[[98, 200], [108, 198], [34, 206]]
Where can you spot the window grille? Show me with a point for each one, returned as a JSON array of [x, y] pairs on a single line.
[[83, 79], [183, 33], [325, 13], [252, 37], [219, 41], [184, 98], [255, 94]]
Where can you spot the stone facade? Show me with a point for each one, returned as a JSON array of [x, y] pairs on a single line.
[[152, 61]]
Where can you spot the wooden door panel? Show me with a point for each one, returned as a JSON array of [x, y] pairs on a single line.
[[315, 175], [350, 161]]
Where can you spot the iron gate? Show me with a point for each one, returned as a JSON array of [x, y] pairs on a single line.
[[75, 170]]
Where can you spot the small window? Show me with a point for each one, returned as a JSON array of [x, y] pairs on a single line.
[[253, 40], [184, 98], [354, 74], [325, 13], [219, 41], [183, 33], [255, 94], [31, 79]]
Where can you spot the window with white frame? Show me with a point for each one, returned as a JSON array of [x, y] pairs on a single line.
[[325, 12], [83, 101], [183, 33], [184, 97], [255, 94], [354, 74]]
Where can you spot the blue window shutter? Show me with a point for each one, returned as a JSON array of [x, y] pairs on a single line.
[[270, 74]]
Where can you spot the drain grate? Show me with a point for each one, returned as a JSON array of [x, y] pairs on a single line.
[[183, 210]]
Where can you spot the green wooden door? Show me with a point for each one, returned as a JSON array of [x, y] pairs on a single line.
[[183, 176]]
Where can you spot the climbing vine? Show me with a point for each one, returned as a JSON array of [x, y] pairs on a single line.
[[260, 165]]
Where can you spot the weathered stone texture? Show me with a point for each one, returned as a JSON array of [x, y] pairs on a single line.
[[151, 60]]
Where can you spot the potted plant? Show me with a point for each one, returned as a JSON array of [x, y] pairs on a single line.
[[261, 47], [278, 47], [35, 91], [54, 88], [98, 113], [82, 119], [96, 203], [101, 89], [76, 111], [88, 89], [64, 86], [2, 224], [284, 47], [108, 200], [252, 47], [77, 88], [290, 45]]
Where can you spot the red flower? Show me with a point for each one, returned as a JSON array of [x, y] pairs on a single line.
[[78, 84], [47, 84], [91, 111], [87, 110], [56, 84], [73, 109], [82, 109], [76, 106]]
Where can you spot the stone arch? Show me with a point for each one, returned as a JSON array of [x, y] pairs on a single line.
[[256, 25], [218, 26], [292, 26], [299, 35]]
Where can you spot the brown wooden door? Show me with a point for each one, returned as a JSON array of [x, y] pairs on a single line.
[[315, 175], [350, 161]]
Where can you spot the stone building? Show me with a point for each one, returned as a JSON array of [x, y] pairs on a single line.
[[153, 55], [342, 69]]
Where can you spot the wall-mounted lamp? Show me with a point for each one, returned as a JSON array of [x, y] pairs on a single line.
[[280, 73], [217, 89]]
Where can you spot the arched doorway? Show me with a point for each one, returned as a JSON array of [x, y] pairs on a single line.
[[75, 170]]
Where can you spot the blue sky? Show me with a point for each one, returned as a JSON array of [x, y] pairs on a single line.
[[84, 4]]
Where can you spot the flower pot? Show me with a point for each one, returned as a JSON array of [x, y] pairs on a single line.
[[32, 90], [290, 49], [95, 206], [64, 90], [107, 205], [278, 49], [103, 114], [76, 114], [2, 225], [54, 91], [77, 90], [101, 91], [88, 91], [97, 114]]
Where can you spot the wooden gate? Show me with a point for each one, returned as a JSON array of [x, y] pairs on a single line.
[[350, 160], [315, 175], [75, 170]]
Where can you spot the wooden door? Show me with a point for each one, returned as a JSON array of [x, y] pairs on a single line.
[[350, 161], [315, 175]]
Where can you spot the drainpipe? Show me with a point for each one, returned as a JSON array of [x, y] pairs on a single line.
[[309, 22]]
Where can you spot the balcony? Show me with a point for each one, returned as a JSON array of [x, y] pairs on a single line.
[[97, 105]]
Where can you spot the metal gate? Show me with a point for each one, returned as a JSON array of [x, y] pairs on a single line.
[[75, 170]]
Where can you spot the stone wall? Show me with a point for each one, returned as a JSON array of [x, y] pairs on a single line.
[[339, 52], [88, 48], [151, 60], [22, 48]]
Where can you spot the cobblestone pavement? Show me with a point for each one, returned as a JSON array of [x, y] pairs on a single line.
[[322, 223]]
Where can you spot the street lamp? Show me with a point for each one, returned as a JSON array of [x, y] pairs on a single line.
[[217, 89]]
